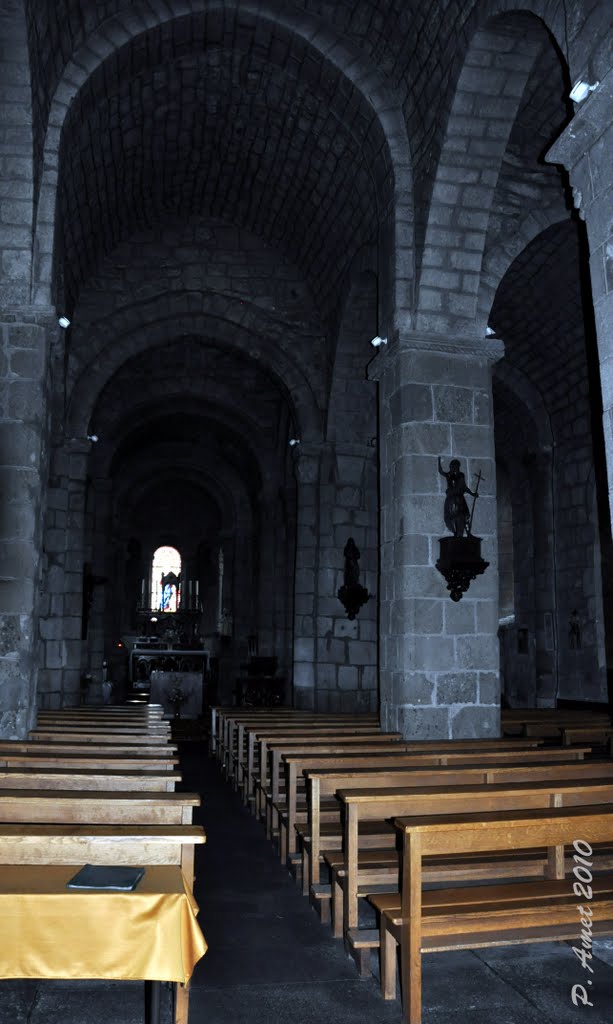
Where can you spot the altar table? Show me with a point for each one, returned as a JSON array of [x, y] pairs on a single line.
[[49, 931]]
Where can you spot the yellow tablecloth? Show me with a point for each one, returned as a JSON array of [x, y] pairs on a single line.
[[49, 931]]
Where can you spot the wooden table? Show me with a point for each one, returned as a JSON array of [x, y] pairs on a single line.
[[104, 934]]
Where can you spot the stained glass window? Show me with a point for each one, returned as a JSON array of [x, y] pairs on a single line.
[[166, 580]]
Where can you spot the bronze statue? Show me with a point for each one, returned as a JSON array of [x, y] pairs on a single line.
[[352, 568], [456, 514], [352, 594]]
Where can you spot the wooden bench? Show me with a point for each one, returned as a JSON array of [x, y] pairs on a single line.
[[586, 734], [239, 751], [356, 872], [294, 766], [110, 735], [481, 916], [232, 733], [90, 759], [323, 782], [132, 807], [89, 779], [269, 798], [103, 802], [375, 806], [278, 743], [70, 747], [224, 734], [548, 722], [255, 740]]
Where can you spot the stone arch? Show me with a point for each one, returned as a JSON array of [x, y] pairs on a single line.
[[497, 260], [153, 323], [128, 25], [522, 387], [483, 111], [351, 411]]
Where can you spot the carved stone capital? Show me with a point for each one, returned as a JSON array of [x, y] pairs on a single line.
[[484, 349]]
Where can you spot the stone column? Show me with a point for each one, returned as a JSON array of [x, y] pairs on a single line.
[[23, 468], [439, 659], [307, 468], [584, 149], [61, 625]]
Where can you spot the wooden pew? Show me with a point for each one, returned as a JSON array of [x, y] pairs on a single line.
[[78, 734], [600, 734], [363, 806], [241, 737], [323, 783], [480, 916], [89, 760], [252, 740], [70, 747], [104, 799], [294, 766], [548, 721], [277, 742], [114, 807], [356, 873], [224, 720], [269, 798], [89, 779]]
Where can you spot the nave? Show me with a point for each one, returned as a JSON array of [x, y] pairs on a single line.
[[271, 961]]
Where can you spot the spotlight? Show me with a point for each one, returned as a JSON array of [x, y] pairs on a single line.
[[582, 89], [376, 342], [64, 322], [93, 438], [293, 441]]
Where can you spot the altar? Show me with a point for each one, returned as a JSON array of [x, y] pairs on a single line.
[[165, 672]]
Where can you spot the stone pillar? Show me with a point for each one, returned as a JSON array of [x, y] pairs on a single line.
[[439, 659], [584, 149], [545, 598], [307, 469], [23, 468], [61, 625]]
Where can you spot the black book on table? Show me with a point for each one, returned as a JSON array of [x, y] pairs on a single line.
[[119, 877]]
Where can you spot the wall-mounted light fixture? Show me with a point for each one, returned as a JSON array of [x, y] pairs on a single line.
[[490, 332], [93, 438], [581, 90], [64, 322], [378, 341], [293, 441]]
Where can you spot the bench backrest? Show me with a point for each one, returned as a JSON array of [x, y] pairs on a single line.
[[88, 778], [101, 844], [98, 807], [89, 760]]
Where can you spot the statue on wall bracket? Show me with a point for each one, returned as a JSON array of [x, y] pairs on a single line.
[[460, 559], [352, 594]]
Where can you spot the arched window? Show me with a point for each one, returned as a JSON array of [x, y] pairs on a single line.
[[166, 579]]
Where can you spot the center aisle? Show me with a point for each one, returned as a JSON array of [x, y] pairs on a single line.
[[271, 961]]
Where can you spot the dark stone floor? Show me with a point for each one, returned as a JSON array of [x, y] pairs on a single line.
[[271, 961]]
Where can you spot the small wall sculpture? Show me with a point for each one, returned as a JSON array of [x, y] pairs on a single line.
[[352, 594], [460, 560]]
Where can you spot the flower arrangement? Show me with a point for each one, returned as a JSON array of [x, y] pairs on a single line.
[[178, 697]]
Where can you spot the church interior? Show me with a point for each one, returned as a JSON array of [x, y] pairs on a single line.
[[306, 337]]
